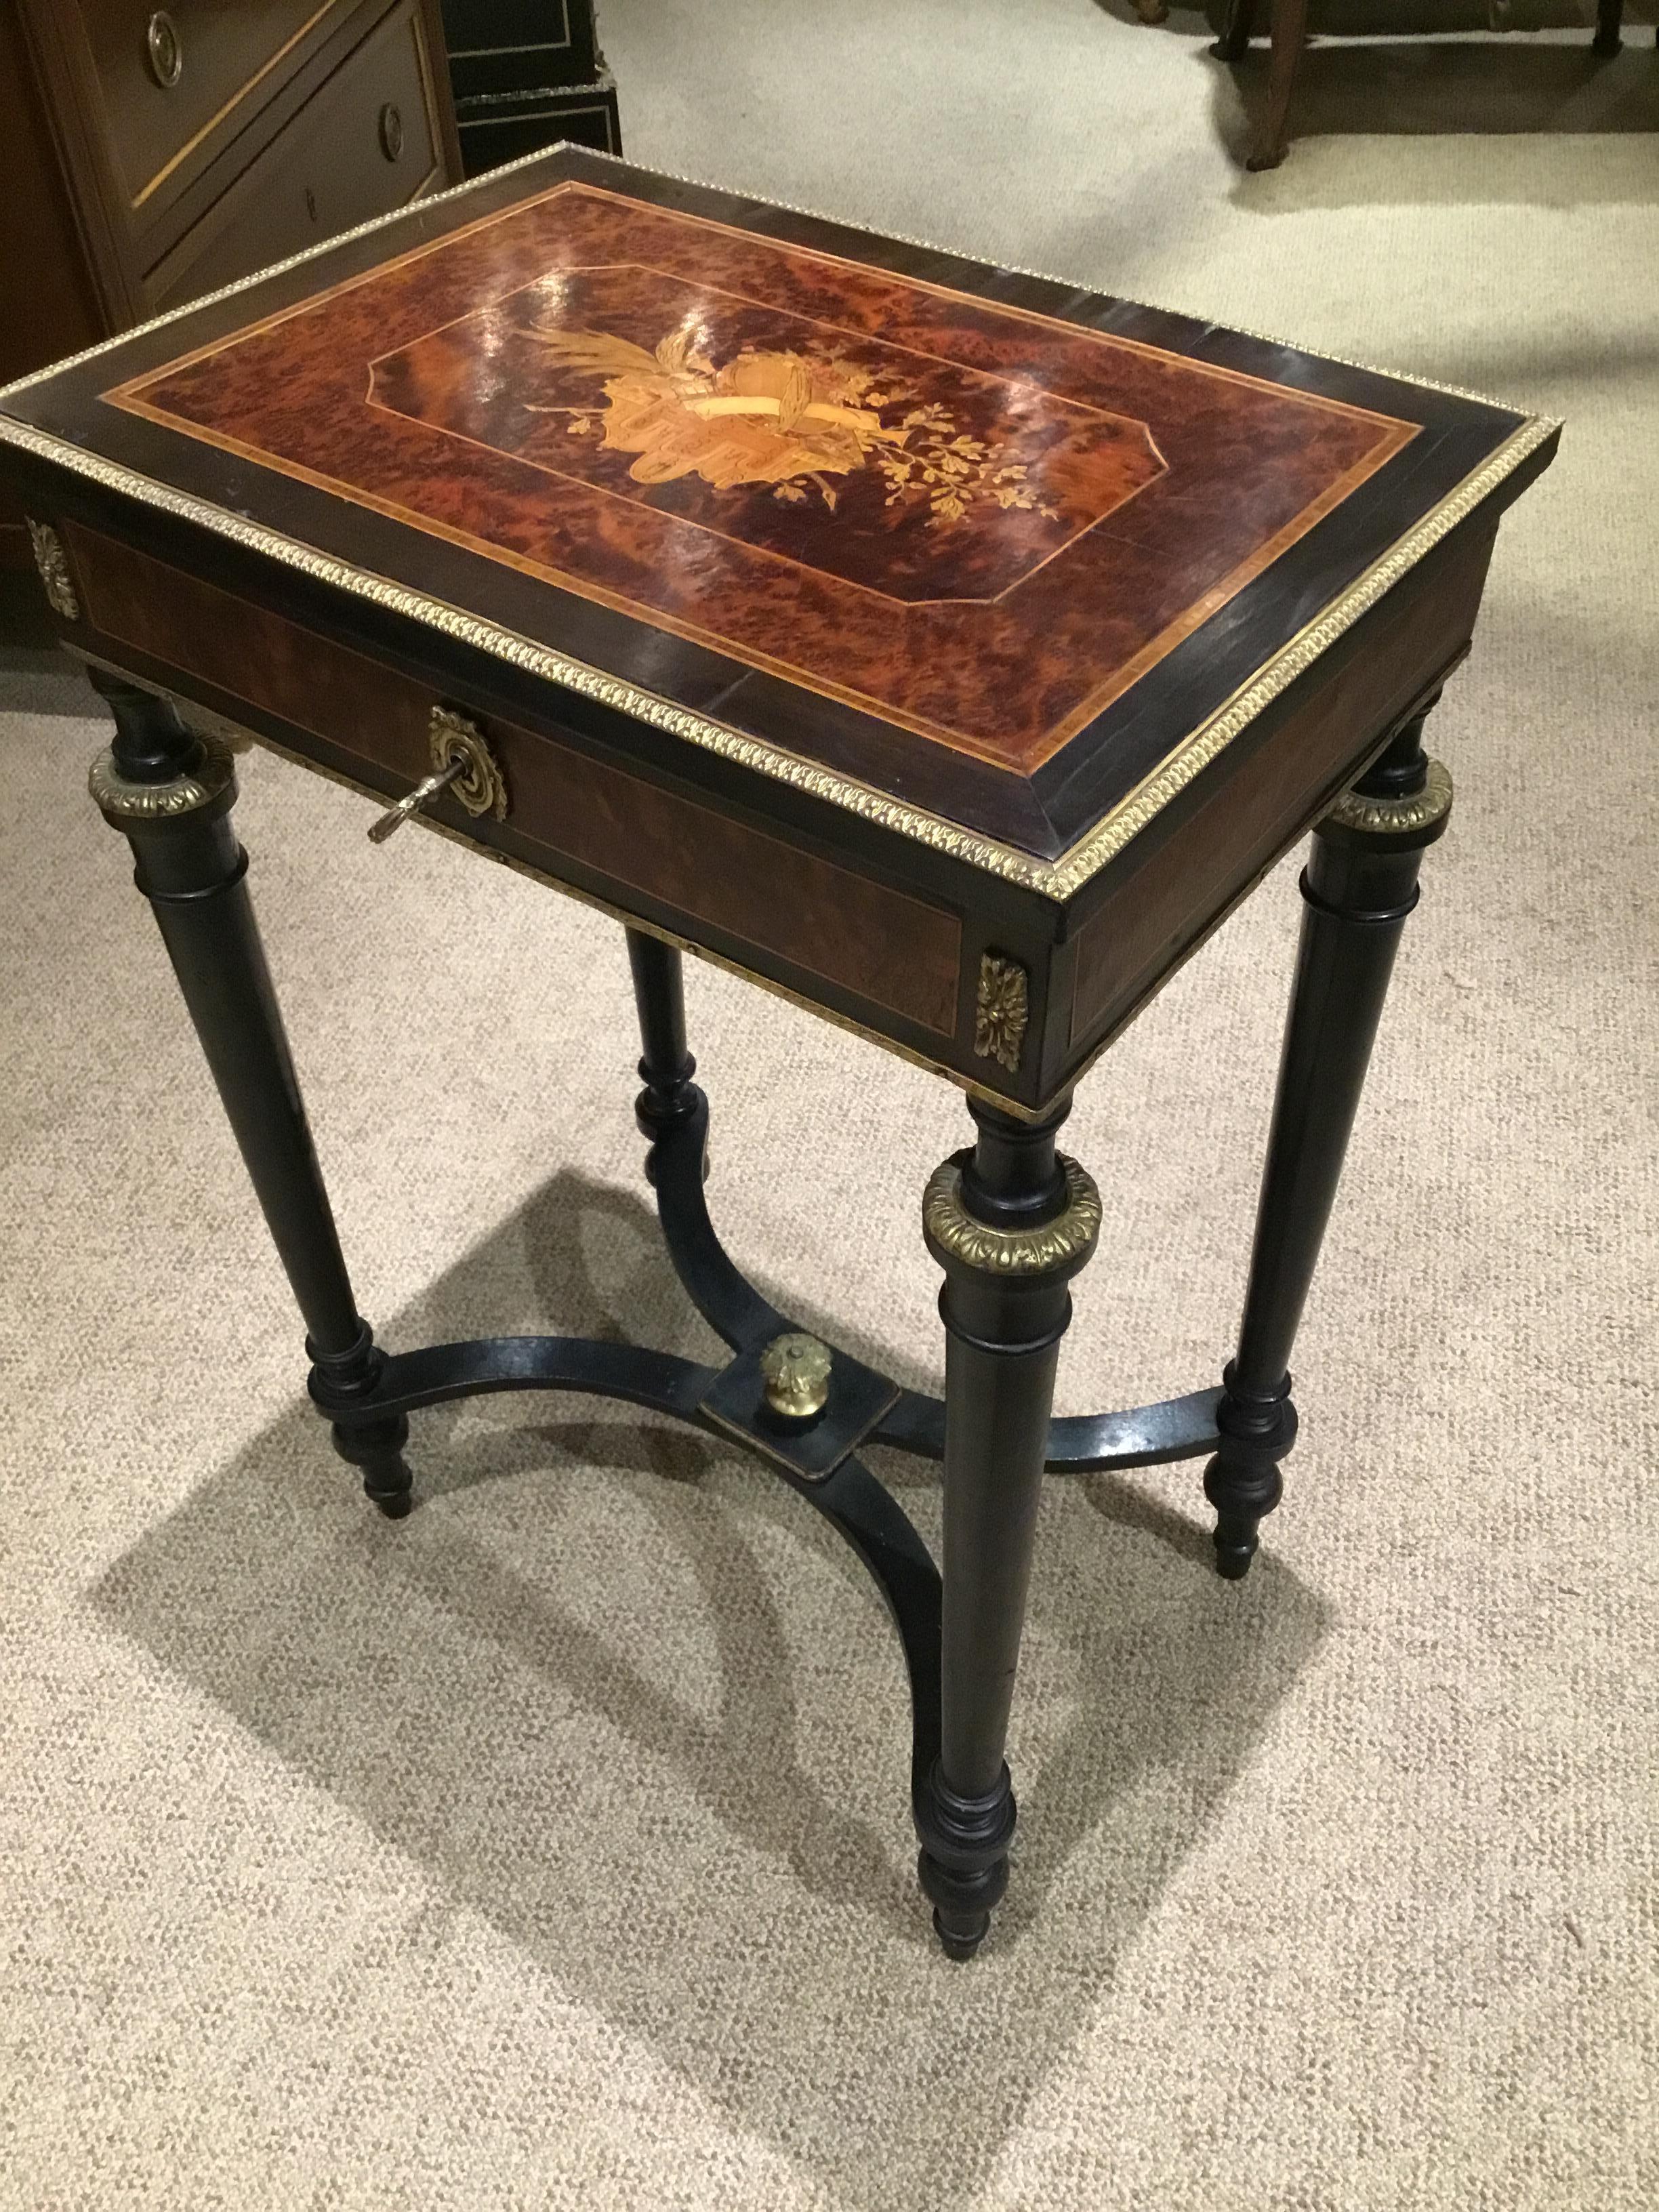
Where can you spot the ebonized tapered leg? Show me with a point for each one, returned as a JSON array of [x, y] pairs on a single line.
[[1359, 886], [1235, 41], [1009, 1222], [170, 793], [1610, 19], [670, 1096]]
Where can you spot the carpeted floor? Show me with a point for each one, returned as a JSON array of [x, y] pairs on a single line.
[[551, 1848]]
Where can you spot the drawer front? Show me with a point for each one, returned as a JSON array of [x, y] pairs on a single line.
[[492, 132], [367, 142], [748, 894], [180, 81], [499, 47]]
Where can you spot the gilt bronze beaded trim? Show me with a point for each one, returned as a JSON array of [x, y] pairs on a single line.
[[1396, 817], [956, 1234], [1056, 879], [120, 799]]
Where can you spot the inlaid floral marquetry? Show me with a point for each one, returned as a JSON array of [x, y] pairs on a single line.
[[915, 478], [963, 520]]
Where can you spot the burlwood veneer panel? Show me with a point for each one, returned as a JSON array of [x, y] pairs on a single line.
[[885, 946], [1166, 904], [563, 386]]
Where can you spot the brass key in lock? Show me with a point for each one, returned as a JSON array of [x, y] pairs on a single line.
[[463, 763], [413, 801]]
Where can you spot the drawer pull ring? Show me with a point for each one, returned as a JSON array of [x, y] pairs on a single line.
[[166, 55], [391, 132], [461, 762]]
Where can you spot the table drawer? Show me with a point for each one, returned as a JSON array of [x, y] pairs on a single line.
[[753, 895], [505, 46], [367, 142]]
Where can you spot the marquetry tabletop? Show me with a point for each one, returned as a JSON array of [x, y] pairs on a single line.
[[977, 587]]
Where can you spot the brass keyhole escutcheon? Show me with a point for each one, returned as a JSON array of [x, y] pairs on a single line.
[[462, 765], [167, 56], [480, 785], [391, 131]]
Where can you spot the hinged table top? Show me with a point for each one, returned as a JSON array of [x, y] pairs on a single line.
[[964, 547]]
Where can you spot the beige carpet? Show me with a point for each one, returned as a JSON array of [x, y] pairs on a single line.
[[551, 1850]]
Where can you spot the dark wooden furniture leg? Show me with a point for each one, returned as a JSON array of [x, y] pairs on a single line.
[[170, 793], [1009, 1222], [1609, 19], [670, 1096], [1235, 41], [1289, 36], [1359, 886]]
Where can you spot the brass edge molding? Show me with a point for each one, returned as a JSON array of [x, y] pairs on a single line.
[[238, 737], [959, 1235], [1002, 1010], [1396, 817], [51, 563], [121, 800], [1054, 879], [1293, 659], [788, 207]]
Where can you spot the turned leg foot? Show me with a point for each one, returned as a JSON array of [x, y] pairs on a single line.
[[1011, 1223], [963, 1862], [377, 1448], [670, 1096], [1243, 1480], [339, 1380], [1359, 886]]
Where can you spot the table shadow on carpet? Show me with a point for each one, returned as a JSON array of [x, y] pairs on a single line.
[[512, 1689]]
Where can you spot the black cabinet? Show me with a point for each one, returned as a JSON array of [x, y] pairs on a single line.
[[527, 73]]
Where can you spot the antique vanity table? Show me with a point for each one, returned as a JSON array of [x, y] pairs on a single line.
[[942, 646]]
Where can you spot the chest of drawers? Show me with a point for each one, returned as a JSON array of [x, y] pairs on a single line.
[[156, 153]]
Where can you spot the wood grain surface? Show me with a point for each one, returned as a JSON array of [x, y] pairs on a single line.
[[762, 894], [974, 522]]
